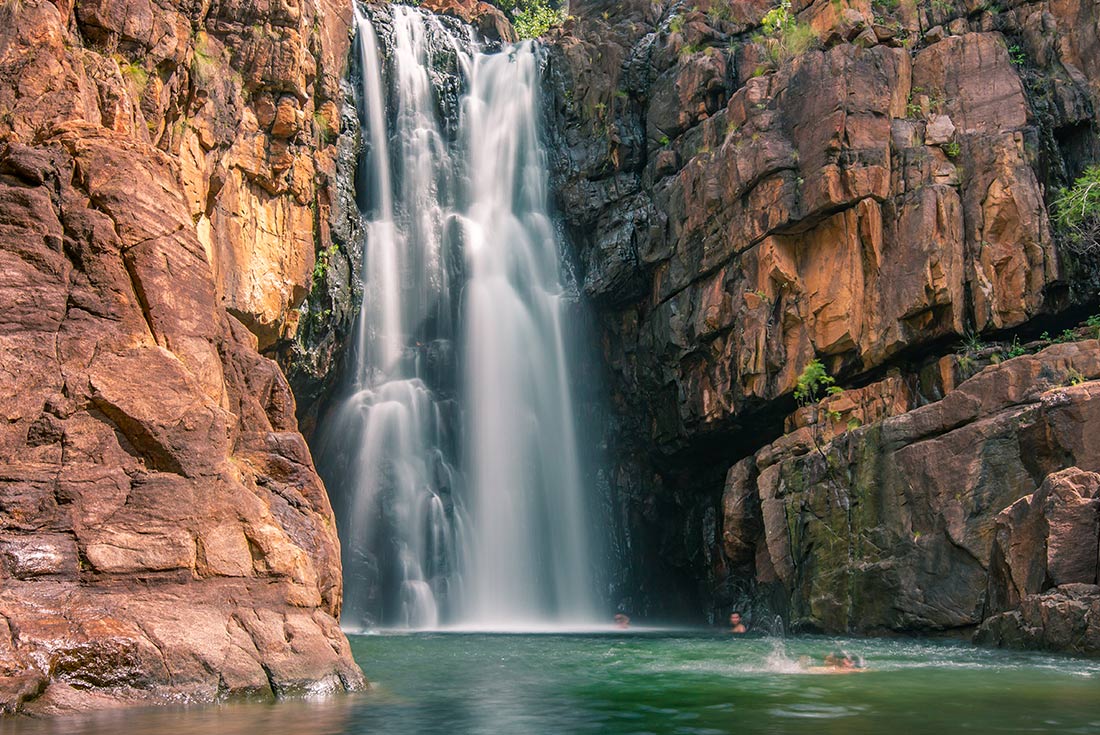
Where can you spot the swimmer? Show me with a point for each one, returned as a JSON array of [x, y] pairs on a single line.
[[622, 621], [736, 626], [837, 662]]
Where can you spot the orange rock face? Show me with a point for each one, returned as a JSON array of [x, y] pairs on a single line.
[[163, 533], [741, 207]]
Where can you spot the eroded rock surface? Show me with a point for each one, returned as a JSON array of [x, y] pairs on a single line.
[[163, 533], [934, 519], [1045, 568], [739, 210]]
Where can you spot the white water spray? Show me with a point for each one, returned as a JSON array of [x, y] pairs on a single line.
[[503, 541], [528, 559]]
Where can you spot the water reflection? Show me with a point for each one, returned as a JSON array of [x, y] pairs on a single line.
[[327, 716]]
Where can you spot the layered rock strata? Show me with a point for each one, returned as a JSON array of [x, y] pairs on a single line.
[[742, 205], [163, 533], [935, 519]]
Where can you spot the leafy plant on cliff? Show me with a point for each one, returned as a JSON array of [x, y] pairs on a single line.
[[1077, 212], [783, 36], [1017, 55], [972, 343], [778, 19], [321, 265], [811, 383], [1094, 322], [533, 18], [1016, 349]]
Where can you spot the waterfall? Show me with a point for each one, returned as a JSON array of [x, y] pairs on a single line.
[[529, 553], [461, 495]]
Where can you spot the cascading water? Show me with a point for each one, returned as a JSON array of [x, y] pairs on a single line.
[[399, 516], [463, 502], [529, 554]]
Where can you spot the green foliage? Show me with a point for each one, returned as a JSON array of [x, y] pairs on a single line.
[[321, 266], [1016, 349], [1077, 212], [951, 149], [720, 10], [1017, 55], [811, 382], [1094, 322], [533, 18], [1067, 335], [778, 19], [1073, 377], [972, 342], [966, 365], [676, 24], [783, 36]]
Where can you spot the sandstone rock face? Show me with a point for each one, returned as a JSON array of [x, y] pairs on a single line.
[[739, 210], [1066, 618], [1045, 568], [163, 533], [905, 524]]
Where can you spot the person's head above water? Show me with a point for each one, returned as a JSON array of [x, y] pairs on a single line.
[[621, 620], [736, 626]]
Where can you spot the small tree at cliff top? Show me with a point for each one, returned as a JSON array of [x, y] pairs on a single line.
[[1077, 212], [533, 18]]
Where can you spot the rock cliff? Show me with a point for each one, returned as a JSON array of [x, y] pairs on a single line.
[[867, 185], [165, 181]]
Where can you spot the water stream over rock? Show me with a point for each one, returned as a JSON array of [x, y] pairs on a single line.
[[462, 495]]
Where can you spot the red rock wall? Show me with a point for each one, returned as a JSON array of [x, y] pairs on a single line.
[[901, 526], [867, 202], [163, 532]]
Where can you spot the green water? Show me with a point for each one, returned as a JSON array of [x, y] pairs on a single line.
[[658, 683]]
